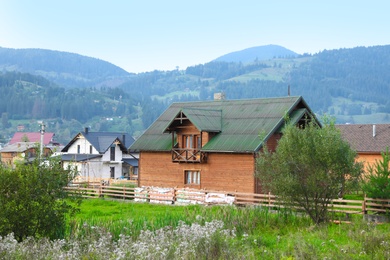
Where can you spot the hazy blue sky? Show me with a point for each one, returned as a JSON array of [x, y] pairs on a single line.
[[145, 35]]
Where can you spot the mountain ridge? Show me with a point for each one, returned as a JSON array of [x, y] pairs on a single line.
[[350, 84], [257, 53], [64, 68]]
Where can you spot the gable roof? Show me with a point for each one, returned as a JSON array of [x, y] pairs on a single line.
[[242, 123], [101, 141], [34, 137], [204, 119], [366, 138], [18, 147]]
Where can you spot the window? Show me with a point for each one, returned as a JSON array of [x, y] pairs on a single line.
[[112, 172], [192, 177], [90, 149], [78, 148], [191, 141], [112, 153]]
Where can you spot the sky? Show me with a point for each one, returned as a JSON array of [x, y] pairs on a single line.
[[145, 35]]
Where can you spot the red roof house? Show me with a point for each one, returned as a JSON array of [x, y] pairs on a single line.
[[34, 137]]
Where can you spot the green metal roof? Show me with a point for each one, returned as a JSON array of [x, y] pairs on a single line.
[[204, 119], [241, 123]]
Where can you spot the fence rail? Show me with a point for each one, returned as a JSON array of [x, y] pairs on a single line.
[[185, 196]]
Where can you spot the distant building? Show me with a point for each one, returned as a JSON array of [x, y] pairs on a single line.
[[23, 147], [100, 155], [23, 152], [368, 140], [34, 137]]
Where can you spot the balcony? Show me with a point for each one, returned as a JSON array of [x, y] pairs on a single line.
[[188, 155]]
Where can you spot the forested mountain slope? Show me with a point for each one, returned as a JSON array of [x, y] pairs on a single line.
[[351, 84], [64, 68]]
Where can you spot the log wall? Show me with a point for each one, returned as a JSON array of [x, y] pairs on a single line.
[[223, 171]]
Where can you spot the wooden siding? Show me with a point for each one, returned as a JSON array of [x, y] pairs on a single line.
[[223, 171], [272, 142]]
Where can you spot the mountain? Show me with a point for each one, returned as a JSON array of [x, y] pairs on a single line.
[[258, 53], [352, 85], [64, 68]]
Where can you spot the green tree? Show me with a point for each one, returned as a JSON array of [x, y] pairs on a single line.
[[33, 201], [4, 120], [311, 166], [377, 183]]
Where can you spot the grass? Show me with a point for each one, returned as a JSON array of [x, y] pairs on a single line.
[[106, 229], [259, 232]]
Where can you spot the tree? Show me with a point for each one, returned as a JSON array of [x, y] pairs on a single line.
[[377, 183], [4, 120], [309, 168], [33, 201]]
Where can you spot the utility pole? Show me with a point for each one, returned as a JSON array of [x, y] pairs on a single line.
[[42, 125]]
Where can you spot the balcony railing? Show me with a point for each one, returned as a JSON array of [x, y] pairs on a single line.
[[187, 155]]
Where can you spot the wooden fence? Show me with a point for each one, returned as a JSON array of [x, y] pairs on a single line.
[[186, 196]]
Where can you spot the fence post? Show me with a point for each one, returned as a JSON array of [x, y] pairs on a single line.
[[269, 199], [174, 195], [364, 207]]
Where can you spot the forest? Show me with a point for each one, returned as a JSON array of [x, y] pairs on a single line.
[[350, 84]]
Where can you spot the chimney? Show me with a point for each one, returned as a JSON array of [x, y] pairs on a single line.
[[373, 130], [86, 130], [124, 139]]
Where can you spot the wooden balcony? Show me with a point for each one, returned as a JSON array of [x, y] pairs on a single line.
[[188, 155]]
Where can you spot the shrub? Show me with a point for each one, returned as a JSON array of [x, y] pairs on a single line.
[[33, 201]]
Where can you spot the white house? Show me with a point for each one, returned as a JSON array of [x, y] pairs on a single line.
[[100, 155]]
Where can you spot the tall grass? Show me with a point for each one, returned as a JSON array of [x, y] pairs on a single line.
[[125, 230]]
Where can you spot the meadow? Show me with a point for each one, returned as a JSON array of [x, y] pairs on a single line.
[[106, 229]]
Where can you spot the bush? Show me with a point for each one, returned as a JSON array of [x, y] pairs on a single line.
[[32, 200]]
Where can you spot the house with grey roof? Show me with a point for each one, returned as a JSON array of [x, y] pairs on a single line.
[[214, 144], [102, 155], [368, 140]]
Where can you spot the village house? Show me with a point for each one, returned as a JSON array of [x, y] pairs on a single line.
[[24, 147], [34, 137], [100, 155], [214, 144], [23, 152], [368, 140]]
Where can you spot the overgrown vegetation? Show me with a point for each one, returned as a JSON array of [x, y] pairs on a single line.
[[33, 202], [123, 230], [311, 166]]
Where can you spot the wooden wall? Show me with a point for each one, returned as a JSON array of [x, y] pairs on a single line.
[[223, 171], [368, 159]]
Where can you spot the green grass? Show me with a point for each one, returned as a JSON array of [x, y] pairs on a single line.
[[260, 233]]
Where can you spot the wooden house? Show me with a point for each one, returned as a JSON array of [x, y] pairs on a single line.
[[368, 140], [22, 152], [213, 144], [100, 155]]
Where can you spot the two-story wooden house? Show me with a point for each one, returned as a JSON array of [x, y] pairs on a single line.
[[100, 155], [213, 144]]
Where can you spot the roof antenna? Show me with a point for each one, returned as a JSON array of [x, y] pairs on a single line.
[[288, 90]]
